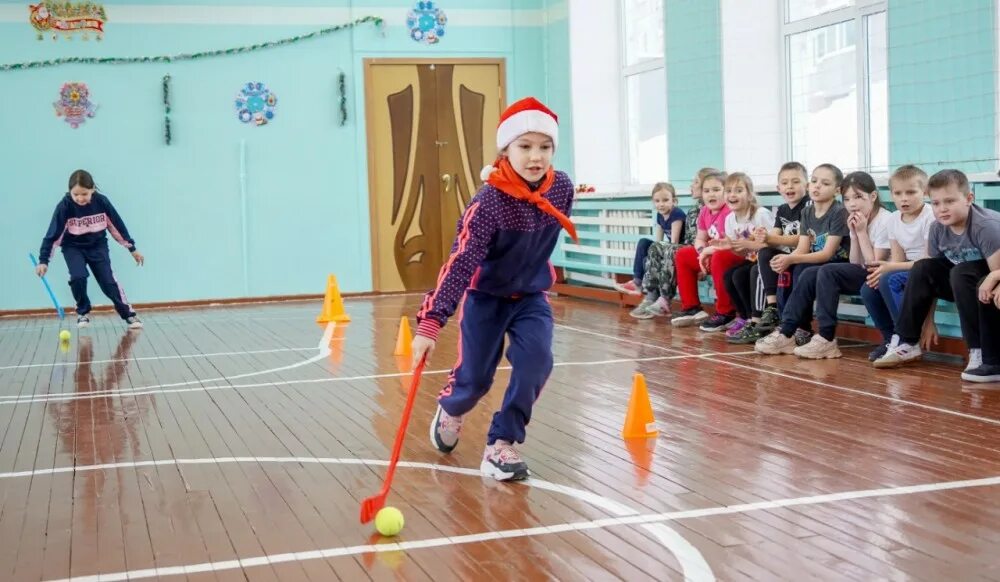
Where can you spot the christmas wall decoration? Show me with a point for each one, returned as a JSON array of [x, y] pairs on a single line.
[[426, 22], [255, 104], [342, 85], [166, 108], [67, 18], [191, 56], [74, 104]]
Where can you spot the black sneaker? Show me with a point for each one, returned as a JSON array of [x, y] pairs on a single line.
[[769, 320], [748, 335], [983, 374], [717, 322], [878, 352], [444, 430], [502, 462], [133, 322], [83, 321]]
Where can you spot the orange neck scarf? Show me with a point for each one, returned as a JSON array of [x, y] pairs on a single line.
[[508, 181]]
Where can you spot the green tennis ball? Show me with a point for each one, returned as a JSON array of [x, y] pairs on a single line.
[[64, 335], [389, 521]]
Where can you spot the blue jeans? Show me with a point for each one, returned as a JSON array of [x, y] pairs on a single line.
[[883, 303], [639, 265]]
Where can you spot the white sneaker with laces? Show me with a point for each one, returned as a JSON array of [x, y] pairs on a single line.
[[775, 343], [899, 353], [819, 348], [502, 462]]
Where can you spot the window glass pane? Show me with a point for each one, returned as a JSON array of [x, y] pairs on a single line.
[[647, 126], [878, 94], [643, 30], [823, 95], [799, 9]]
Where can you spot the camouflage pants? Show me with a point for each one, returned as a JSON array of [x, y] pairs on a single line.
[[661, 275]]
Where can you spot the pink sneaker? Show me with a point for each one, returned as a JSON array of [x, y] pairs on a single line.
[[736, 327], [629, 288]]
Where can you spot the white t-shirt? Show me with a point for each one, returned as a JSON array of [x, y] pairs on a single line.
[[912, 237], [878, 229], [737, 229]]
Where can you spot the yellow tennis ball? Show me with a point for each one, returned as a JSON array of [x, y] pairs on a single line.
[[64, 335], [389, 521]]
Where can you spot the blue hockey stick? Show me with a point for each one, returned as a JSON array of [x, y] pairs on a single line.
[[52, 295]]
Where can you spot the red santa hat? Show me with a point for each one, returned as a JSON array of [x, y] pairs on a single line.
[[529, 115]]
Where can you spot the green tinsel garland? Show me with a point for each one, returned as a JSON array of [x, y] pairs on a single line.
[[166, 108], [342, 82], [189, 56]]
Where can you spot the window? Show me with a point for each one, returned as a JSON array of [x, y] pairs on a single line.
[[644, 90], [837, 95]]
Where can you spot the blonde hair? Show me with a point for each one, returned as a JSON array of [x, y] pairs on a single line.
[[908, 172], [741, 178], [706, 172], [660, 186]]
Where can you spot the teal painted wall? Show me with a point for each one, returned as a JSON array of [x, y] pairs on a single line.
[[306, 192], [942, 84], [694, 86]]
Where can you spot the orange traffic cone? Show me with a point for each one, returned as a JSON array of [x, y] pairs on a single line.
[[404, 338], [639, 421], [333, 304]]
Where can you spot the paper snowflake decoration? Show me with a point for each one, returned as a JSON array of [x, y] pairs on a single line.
[[426, 22]]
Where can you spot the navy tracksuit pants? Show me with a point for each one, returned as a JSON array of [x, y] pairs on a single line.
[[98, 259], [484, 321]]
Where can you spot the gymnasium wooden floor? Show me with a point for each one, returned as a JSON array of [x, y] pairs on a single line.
[[235, 443]]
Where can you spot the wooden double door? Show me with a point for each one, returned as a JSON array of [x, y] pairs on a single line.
[[431, 128]]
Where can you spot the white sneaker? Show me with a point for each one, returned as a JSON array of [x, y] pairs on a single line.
[[898, 354], [775, 343], [818, 348], [975, 359], [502, 462]]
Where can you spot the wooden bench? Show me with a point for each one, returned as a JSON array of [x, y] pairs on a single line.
[[610, 223]]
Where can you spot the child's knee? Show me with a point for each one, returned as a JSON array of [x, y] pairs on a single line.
[[964, 278]]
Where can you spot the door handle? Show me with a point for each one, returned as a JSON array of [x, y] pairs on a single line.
[[446, 178]]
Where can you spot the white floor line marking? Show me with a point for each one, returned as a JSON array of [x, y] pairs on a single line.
[[323, 347], [692, 569], [715, 359], [148, 390], [693, 565], [621, 339], [147, 358]]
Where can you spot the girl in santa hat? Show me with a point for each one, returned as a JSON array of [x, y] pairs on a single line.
[[496, 278]]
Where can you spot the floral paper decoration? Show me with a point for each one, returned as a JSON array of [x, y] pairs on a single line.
[[255, 104], [67, 18], [426, 22], [74, 104]]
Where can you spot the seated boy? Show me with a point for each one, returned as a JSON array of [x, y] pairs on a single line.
[[963, 255]]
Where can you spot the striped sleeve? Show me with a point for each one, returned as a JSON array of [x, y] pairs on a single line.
[[475, 230]]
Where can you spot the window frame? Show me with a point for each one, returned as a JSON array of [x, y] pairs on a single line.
[[627, 71], [859, 12]]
